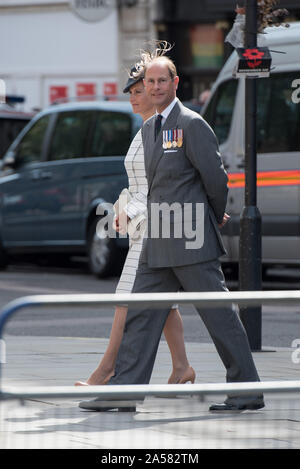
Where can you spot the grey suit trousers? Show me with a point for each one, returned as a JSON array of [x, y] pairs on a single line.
[[144, 325]]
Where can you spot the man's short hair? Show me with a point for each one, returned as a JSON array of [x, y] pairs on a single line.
[[164, 61]]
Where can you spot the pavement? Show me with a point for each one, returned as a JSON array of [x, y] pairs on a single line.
[[182, 422]]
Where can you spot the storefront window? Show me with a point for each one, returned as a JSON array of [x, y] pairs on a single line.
[[207, 46]]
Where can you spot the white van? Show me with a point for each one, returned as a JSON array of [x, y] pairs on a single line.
[[278, 147]]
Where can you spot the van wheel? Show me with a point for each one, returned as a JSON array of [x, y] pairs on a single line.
[[102, 251]]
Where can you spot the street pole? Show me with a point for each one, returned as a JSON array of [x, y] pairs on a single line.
[[250, 271]]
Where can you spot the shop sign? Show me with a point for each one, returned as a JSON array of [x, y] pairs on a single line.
[[58, 93], [93, 10], [110, 89], [86, 89]]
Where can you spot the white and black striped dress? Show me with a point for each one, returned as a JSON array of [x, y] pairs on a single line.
[[138, 187]]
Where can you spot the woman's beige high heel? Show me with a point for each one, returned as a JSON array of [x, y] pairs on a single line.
[[188, 376], [105, 381]]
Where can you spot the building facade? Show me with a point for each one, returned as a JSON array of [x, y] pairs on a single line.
[[198, 28], [52, 52]]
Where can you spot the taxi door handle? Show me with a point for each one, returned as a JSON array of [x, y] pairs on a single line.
[[35, 174], [46, 175]]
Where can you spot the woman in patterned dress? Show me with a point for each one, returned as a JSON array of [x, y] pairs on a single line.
[[182, 372]]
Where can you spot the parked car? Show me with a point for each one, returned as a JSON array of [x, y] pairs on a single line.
[[11, 124], [278, 147], [65, 163]]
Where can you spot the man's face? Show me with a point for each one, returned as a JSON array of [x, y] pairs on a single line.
[[160, 86]]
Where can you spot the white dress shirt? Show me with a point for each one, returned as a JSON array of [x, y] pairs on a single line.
[[167, 111]]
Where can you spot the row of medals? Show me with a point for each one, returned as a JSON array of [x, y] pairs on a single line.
[[172, 138]]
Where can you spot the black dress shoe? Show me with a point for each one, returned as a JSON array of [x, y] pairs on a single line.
[[105, 406], [228, 407]]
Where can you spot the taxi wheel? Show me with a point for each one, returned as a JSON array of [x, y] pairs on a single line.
[[102, 251]]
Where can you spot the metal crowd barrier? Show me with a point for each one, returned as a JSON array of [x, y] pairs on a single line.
[[209, 299], [139, 393]]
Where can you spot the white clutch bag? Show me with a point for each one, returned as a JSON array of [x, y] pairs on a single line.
[[136, 226]]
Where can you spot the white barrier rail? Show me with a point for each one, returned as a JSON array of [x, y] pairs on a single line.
[[188, 424], [206, 299], [140, 392]]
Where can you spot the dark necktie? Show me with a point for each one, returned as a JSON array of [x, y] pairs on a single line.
[[158, 120]]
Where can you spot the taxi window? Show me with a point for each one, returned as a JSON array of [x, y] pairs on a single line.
[[278, 114], [112, 134], [30, 147], [70, 135]]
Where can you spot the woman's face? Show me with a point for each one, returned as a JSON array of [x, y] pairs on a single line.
[[139, 99]]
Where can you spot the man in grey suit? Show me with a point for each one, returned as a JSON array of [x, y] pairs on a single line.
[[184, 172]]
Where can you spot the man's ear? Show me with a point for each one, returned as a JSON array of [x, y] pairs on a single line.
[[176, 81]]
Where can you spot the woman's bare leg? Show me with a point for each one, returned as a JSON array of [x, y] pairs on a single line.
[[173, 331], [106, 367]]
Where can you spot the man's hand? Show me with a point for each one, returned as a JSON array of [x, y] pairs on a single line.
[[225, 220], [121, 222], [240, 10]]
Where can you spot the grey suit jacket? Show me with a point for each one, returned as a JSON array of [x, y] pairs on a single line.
[[192, 181]]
